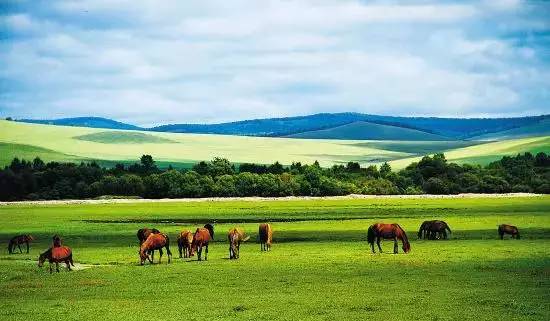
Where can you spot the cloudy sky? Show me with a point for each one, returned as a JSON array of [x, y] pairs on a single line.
[[149, 62]]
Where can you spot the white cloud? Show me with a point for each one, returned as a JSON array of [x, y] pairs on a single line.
[[147, 63]]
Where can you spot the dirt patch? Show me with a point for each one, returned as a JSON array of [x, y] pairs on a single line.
[[263, 199]]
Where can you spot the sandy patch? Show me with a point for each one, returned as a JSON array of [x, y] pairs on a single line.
[[263, 199]]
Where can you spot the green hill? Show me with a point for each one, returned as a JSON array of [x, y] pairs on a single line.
[[541, 128], [370, 131]]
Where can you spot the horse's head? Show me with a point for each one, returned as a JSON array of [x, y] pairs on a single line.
[[406, 247], [143, 256]]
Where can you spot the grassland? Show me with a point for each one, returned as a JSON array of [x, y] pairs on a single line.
[[110, 146], [320, 267]]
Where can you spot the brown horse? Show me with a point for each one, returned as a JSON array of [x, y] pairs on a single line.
[[433, 230], [266, 236], [57, 255], [201, 238], [185, 239], [393, 232], [155, 241], [17, 241], [142, 235], [235, 238], [508, 229]]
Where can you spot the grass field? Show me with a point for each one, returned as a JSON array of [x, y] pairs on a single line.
[[320, 267], [54, 143]]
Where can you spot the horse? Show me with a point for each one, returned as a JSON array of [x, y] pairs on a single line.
[[142, 235], [56, 255], [201, 238], [423, 231], [433, 230], [381, 231], [17, 241], [235, 237], [185, 239], [266, 236], [508, 229], [155, 241]]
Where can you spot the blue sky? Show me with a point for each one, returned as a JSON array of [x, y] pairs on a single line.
[[152, 62]]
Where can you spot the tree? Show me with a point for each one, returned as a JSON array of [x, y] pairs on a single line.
[[385, 169], [147, 163]]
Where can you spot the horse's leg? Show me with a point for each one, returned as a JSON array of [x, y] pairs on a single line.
[[27, 247], [230, 251], [68, 265], [206, 253], [395, 246], [200, 253], [51, 271], [57, 267], [19, 246], [378, 239], [372, 247], [160, 255], [238, 249]]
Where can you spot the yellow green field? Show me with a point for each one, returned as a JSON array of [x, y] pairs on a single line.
[[78, 143]]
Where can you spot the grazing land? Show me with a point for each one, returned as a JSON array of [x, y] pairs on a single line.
[[56, 143], [320, 266]]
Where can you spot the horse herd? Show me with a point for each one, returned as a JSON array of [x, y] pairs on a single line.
[[151, 240]]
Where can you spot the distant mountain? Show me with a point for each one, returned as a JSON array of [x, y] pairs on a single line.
[[360, 126], [540, 128], [370, 131], [93, 122], [457, 128]]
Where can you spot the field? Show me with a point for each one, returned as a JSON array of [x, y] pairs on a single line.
[[320, 267], [54, 143]]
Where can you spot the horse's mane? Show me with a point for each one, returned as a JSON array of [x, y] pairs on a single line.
[[405, 238]]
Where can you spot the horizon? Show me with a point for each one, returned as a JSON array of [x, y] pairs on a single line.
[[209, 63]]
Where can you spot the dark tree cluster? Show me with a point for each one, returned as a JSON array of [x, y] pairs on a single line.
[[34, 180]]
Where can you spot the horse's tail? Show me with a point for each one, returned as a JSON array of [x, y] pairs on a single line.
[[168, 245], [370, 235], [421, 229]]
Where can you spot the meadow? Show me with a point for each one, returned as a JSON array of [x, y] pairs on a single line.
[[54, 143], [320, 266]]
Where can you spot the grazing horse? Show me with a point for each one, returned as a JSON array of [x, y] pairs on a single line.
[[508, 229], [18, 240], [56, 255], [155, 241], [433, 230], [201, 238], [266, 236], [142, 235], [393, 232], [235, 237], [185, 239]]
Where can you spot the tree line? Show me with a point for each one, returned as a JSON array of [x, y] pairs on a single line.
[[36, 180]]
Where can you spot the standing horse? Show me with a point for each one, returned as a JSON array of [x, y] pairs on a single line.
[[266, 236], [235, 238], [56, 255], [142, 235], [17, 241], [185, 239], [201, 238], [508, 229], [155, 241], [393, 232], [438, 229]]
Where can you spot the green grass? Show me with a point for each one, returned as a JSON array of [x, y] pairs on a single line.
[[113, 146], [117, 137], [320, 267]]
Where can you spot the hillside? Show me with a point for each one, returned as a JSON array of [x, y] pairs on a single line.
[[92, 122], [111, 146], [541, 128], [369, 131]]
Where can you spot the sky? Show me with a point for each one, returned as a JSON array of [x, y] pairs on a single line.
[[150, 62]]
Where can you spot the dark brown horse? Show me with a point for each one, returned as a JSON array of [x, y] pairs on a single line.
[[17, 241], [155, 241], [142, 235], [433, 230], [201, 238], [508, 229], [185, 239], [393, 232], [235, 236], [57, 255], [266, 236], [57, 241]]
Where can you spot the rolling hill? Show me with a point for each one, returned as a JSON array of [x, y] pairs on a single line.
[[541, 128], [75, 144], [362, 130]]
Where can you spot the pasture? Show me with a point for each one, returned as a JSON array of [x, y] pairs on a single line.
[[56, 143], [320, 266]]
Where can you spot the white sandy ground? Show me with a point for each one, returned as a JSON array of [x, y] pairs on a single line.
[[62, 266], [262, 199]]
